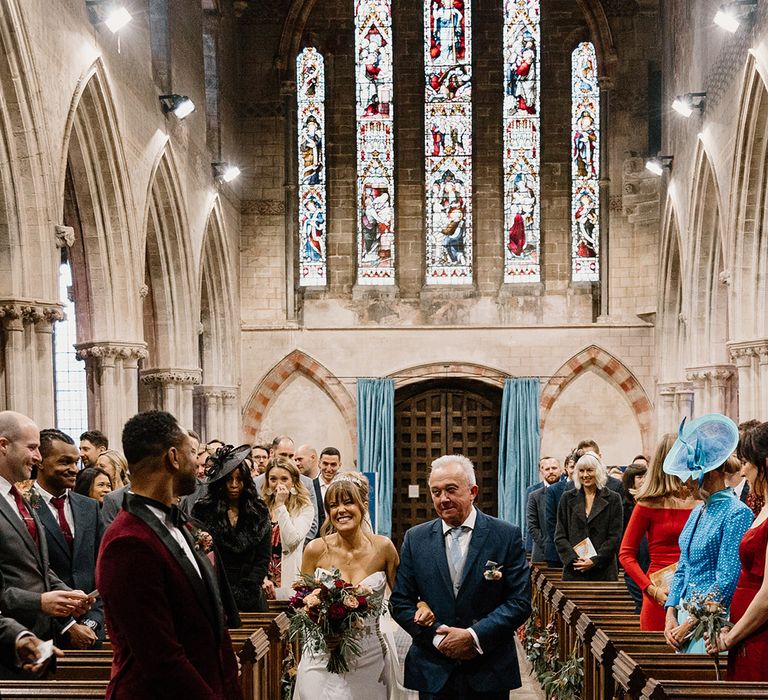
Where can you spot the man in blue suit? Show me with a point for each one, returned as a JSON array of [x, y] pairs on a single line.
[[471, 570], [73, 530]]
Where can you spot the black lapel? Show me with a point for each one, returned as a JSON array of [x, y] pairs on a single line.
[[51, 525], [437, 545], [206, 571], [137, 508], [18, 524], [79, 516], [475, 544], [599, 503], [580, 504]]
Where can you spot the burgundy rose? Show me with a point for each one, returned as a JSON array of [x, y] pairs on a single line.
[[340, 584], [337, 611], [362, 600]]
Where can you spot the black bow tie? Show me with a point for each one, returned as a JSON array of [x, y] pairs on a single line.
[[174, 513]]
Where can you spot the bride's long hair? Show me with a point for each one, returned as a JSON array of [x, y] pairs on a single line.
[[348, 486]]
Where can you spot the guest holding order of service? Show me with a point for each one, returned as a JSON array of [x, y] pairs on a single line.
[[593, 511], [662, 507], [747, 641], [292, 514], [238, 521], [709, 542]]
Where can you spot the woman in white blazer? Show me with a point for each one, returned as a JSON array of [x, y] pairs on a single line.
[[292, 513]]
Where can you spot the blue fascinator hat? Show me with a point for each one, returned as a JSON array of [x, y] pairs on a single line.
[[701, 446]]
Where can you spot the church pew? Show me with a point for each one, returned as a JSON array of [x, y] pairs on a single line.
[[52, 690], [254, 662], [657, 689]]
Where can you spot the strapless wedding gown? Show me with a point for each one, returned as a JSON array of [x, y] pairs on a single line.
[[370, 674]]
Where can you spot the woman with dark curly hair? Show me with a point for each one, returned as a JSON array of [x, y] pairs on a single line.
[[93, 482], [238, 521]]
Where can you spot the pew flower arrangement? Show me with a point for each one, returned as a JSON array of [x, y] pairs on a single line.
[[711, 618], [560, 680], [329, 614]]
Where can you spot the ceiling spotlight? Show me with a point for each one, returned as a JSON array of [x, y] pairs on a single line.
[[180, 105], [225, 172], [685, 104], [658, 164], [730, 15], [112, 14]]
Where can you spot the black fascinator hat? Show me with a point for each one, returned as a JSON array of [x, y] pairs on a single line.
[[225, 460]]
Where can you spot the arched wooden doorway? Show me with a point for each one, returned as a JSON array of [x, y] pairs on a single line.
[[438, 417]]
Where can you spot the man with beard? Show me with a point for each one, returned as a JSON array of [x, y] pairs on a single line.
[[161, 597]]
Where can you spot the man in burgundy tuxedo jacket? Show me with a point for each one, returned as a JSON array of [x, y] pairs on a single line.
[[161, 598]]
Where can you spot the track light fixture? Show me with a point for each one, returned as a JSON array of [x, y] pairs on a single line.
[[113, 14], [225, 172], [658, 164], [180, 105], [731, 14], [685, 104]]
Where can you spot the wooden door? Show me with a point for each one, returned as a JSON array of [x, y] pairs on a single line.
[[438, 418]]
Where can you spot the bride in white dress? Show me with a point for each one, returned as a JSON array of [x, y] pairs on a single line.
[[363, 558]]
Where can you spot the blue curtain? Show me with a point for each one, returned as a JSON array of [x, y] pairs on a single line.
[[518, 447], [376, 442]]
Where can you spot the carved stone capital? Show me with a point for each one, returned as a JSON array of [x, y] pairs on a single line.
[[111, 350], [209, 392], [163, 377], [743, 352], [714, 373], [31, 311]]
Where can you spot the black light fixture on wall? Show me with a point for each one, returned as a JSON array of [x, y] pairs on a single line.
[[659, 164], [685, 104], [731, 15], [180, 105], [112, 14], [225, 172]]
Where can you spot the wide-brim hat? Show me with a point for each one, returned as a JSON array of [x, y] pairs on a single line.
[[225, 460], [701, 446]]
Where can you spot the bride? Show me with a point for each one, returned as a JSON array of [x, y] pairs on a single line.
[[347, 544]]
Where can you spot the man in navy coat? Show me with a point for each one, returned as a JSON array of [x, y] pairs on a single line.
[[471, 570], [73, 530]]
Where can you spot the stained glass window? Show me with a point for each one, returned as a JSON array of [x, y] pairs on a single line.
[[522, 222], [448, 140], [375, 143], [585, 165], [310, 82], [69, 372]]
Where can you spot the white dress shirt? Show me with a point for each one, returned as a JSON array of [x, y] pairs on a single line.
[[67, 507], [465, 537], [163, 517], [5, 490]]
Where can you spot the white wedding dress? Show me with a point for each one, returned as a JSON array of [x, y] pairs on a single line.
[[371, 675]]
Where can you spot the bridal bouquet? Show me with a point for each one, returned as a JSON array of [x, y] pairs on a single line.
[[329, 613], [711, 618]]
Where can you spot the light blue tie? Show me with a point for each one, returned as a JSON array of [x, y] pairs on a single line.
[[455, 556]]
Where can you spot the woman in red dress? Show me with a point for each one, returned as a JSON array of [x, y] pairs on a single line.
[[747, 641], [663, 505]]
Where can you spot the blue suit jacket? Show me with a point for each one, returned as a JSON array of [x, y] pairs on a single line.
[[494, 609], [77, 567]]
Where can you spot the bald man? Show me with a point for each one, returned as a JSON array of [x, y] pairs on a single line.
[[33, 595], [306, 461]]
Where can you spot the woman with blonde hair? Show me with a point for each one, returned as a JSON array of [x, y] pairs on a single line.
[[115, 464], [589, 518], [662, 507], [291, 514]]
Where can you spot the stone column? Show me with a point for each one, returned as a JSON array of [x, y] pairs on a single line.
[[685, 402], [697, 376], [41, 321], [742, 357], [667, 418], [218, 411], [15, 366], [112, 377], [170, 389], [290, 193], [719, 393], [606, 85]]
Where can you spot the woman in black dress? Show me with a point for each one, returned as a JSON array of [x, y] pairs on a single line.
[[238, 521]]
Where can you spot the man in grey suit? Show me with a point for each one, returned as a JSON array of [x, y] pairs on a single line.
[[537, 520], [73, 529], [33, 594]]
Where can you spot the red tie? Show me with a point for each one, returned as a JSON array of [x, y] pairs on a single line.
[[58, 503], [29, 521]]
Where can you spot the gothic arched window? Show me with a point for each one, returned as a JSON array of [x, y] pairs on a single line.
[[310, 82], [585, 165], [375, 143], [448, 140], [522, 213]]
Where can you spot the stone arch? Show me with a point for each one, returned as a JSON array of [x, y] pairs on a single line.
[[707, 303], [670, 324], [611, 369], [28, 260], [218, 305], [300, 10], [105, 252], [170, 304], [749, 241], [275, 379], [440, 370]]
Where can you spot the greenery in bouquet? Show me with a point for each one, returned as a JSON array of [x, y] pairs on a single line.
[[711, 618], [564, 680], [329, 614]]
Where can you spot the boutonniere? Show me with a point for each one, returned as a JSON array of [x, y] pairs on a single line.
[[492, 571], [32, 496], [203, 540]]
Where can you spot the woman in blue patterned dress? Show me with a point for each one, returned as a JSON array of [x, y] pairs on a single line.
[[709, 542]]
